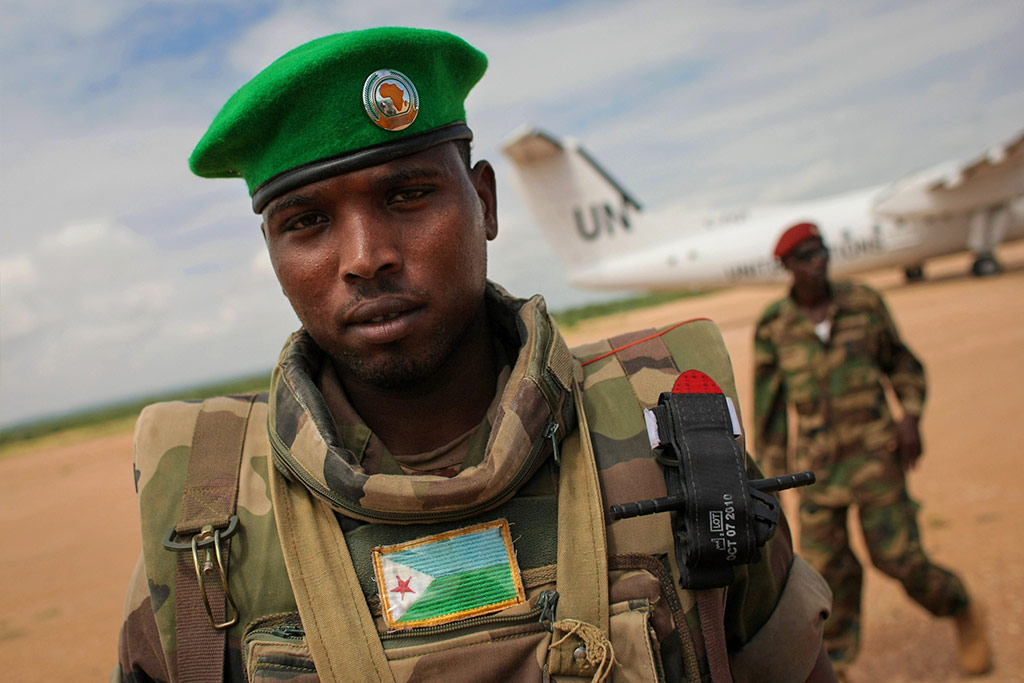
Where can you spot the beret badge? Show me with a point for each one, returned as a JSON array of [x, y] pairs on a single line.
[[390, 99]]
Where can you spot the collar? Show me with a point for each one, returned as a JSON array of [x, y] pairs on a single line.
[[374, 455], [535, 410], [837, 294]]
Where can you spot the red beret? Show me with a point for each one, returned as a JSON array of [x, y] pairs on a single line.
[[793, 237]]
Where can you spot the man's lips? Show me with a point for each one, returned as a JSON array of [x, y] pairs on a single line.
[[382, 320]]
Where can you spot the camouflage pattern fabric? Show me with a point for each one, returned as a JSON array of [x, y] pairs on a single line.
[[655, 626], [844, 432], [647, 364], [307, 445], [257, 576]]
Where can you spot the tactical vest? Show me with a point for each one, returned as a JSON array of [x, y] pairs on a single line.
[[620, 615]]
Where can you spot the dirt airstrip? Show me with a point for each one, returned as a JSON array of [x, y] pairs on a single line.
[[70, 524]]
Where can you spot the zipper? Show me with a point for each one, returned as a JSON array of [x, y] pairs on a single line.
[[279, 632], [549, 433], [298, 472], [288, 632], [542, 613], [547, 602]]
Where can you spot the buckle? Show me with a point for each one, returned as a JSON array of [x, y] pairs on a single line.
[[176, 546], [206, 538]]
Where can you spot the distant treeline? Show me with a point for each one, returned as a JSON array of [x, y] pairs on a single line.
[[254, 383], [126, 409], [573, 316]]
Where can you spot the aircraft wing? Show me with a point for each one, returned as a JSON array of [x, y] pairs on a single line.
[[991, 180]]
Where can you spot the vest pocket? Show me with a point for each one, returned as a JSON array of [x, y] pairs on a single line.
[[274, 649], [637, 654], [506, 647], [509, 645], [498, 647]]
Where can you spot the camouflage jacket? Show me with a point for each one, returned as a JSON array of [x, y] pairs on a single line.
[[773, 610], [835, 386]]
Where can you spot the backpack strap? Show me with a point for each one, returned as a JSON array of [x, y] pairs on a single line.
[[203, 602], [339, 628], [581, 645], [633, 351]]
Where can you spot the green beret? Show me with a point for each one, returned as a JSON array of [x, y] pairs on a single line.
[[338, 104]]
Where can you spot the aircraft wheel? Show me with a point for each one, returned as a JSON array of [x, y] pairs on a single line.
[[914, 273], [986, 265]]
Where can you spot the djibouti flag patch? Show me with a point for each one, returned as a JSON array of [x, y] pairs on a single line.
[[447, 577]]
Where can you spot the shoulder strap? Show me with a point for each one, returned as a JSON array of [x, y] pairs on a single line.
[[340, 632], [631, 350], [582, 570], [208, 520]]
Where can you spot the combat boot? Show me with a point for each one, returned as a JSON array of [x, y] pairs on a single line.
[[974, 655]]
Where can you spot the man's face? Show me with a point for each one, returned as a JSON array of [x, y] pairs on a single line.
[[808, 262], [386, 266]]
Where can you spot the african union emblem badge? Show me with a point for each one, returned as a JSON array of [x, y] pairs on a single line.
[[448, 577], [390, 99]]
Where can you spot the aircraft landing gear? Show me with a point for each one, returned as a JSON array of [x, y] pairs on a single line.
[[914, 273], [984, 233], [986, 265]]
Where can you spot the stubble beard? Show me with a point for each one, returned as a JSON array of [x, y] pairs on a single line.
[[398, 369], [402, 369]]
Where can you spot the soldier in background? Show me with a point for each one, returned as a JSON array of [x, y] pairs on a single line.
[[825, 349], [422, 494]]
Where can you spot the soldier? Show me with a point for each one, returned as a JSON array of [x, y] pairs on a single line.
[[824, 350], [422, 493]]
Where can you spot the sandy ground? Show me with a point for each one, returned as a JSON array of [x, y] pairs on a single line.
[[71, 534]]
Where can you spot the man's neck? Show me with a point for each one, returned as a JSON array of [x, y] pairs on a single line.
[[435, 410], [813, 297]]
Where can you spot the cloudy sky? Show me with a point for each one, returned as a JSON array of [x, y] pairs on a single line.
[[121, 274]]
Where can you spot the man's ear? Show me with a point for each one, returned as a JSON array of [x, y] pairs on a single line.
[[263, 229], [482, 175]]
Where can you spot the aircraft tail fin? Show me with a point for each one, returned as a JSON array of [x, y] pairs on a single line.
[[584, 214]]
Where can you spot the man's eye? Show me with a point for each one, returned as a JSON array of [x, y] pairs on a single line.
[[305, 221], [409, 195]]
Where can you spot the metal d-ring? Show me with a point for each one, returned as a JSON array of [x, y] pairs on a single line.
[[177, 546], [207, 537], [208, 533]]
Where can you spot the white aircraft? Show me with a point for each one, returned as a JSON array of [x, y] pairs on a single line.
[[604, 239]]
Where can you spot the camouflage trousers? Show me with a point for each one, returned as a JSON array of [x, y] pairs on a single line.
[[888, 520]]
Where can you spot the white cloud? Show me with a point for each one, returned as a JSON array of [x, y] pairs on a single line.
[[96, 310], [17, 273], [297, 23], [122, 273]]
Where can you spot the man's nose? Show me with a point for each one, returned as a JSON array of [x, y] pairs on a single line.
[[369, 249]]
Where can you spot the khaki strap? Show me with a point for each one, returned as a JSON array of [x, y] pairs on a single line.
[[200, 653], [582, 572], [339, 628], [711, 609], [211, 485], [209, 498]]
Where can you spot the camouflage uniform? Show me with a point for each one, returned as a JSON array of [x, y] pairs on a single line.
[[773, 610], [845, 433]]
